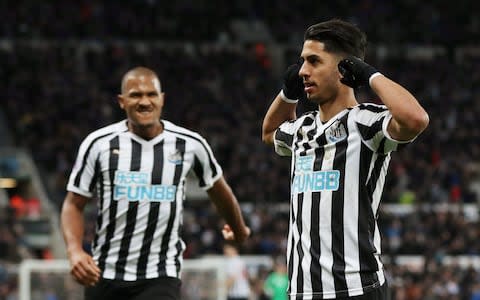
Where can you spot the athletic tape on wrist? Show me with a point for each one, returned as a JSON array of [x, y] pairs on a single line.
[[285, 99], [373, 76]]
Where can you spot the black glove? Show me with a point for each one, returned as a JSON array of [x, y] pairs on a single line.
[[355, 72], [293, 88]]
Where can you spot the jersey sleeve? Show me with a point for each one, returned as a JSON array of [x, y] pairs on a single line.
[[205, 167], [372, 122], [283, 138], [83, 172]]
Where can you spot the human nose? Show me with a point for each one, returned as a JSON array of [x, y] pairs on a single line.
[[303, 70], [145, 100]]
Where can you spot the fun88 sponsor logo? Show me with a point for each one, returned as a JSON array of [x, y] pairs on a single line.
[[135, 186], [306, 179]]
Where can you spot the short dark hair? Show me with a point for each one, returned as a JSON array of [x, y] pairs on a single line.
[[339, 37]]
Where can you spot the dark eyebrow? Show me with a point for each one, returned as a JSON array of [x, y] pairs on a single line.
[[312, 56], [140, 93]]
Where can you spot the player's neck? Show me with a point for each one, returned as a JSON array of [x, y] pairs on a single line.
[[330, 109], [146, 132]]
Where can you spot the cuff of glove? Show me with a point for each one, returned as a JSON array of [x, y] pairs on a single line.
[[373, 76], [287, 100]]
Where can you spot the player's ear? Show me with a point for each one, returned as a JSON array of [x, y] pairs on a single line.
[[161, 96], [338, 60], [120, 101]]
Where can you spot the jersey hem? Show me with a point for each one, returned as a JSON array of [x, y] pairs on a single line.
[[337, 294], [387, 134], [137, 279], [74, 189], [214, 179]]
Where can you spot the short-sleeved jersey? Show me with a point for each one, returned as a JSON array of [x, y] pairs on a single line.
[[140, 186], [338, 171]]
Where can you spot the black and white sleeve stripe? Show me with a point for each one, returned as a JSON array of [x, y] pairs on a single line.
[[372, 121], [83, 172]]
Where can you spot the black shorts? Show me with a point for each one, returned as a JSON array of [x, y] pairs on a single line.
[[167, 288]]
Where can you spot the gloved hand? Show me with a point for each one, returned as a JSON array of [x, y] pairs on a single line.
[[355, 72], [293, 88]]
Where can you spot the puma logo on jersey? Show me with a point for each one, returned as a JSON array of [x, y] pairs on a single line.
[[175, 158]]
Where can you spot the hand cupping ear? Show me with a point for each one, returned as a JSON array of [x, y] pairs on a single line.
[[292, 89], [355, 72]]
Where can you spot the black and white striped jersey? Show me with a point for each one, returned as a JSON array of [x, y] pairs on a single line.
[[140, 185], [338, 172]]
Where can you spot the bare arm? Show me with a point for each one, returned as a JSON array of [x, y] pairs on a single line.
[[408, 117], [227, 205], [229, 282], [72, 220], [278, 112], [84, 269]]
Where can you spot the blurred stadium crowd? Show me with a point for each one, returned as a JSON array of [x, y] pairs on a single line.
[[443, 22], [60, 79]]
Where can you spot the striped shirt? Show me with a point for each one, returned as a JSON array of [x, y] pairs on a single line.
[[140, 186], [337, 178]]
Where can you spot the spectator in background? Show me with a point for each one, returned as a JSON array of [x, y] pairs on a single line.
[[19, 205], [475, 291], [237, 282], [276, 283], [33, 208]]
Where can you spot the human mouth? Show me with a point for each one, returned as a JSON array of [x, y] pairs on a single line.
[[144, 109], [144, 112], [308, 87]]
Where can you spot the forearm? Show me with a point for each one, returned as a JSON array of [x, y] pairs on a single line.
[[409, 117], [228, 207], [72, 222], [83, 267], [278, 112]]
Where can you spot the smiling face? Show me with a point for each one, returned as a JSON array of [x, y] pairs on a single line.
[[320, 72], [142, 101]]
